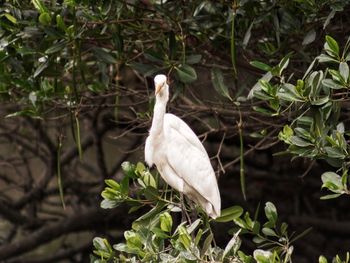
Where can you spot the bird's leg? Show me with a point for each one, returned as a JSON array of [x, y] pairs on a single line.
[[184, 214]]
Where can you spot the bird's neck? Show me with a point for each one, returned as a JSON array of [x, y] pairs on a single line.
[[158, 114]]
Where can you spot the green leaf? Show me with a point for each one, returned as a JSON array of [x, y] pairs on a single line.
[[334, 152], [319, 101], [166, 222], [265, 111], [315, 80], [229, 214], [102, 244], [133, 240], [257, 87], [325, 58], [11, 18], [286, 134], [256, 227], [194, 225], [140, 168], [289, 93], [303, 133], [329, 83], [153, 57], [234, 243], [299, 141], [332, 181], [262, 256], [39, 6], [309, 37], [247, 36], [283, 64], [135, 208], [184, 237], [193, 59], [41, 68], [258, 240], [29, 113], [336, 75], [172, 45], [305, 120], [60, 23], [129, 169], [186, 73], [144, 69], [271, 212], [260, 65], [322, 259], [104, 56], [151, 193], [331, 46], [124, 185], [70, 3], [159, 233], [56, 47], [118, 42], [111, 194], [283, 228], [109, 204], [206, 243], [331, 196], [218, 81], [248, 221], [269, 232], [329, 17], [45, 19], [340, 127], [344, 177], [148, 179], [121, 247], [241, 223], [145, 219], [344, 70], [188, 256], [113, 184], [244, 258]]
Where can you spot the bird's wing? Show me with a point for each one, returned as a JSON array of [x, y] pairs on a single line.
[[149, 149], [187, 156], [179, 125]]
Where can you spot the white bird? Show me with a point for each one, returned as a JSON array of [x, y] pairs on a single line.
[[179, 155]]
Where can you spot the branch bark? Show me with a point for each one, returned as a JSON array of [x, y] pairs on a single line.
[[75, 223]]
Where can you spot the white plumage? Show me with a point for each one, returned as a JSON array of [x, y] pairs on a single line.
[[179, 156]]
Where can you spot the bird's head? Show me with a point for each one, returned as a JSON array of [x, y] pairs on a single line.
[[160, 82]]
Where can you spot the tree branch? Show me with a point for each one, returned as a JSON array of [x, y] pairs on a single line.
[[75, 223]]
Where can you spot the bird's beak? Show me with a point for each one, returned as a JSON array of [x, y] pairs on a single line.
[[158, 88]]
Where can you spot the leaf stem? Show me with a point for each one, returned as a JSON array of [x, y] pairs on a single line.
[[59, 177], [233, 40], [241, 170]]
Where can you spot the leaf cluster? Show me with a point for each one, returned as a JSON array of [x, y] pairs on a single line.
[[156, 237], [314, 103]]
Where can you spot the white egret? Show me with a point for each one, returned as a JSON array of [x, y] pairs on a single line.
[[179, 155]]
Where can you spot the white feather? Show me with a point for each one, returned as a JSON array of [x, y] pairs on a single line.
[[179, 155]]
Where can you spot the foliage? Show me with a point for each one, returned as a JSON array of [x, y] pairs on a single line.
[[313, 103], [56, 50], [65, 68], [155, 237], [337, 259]]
